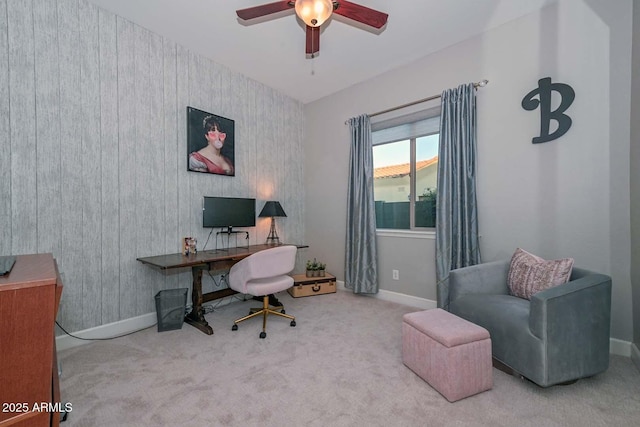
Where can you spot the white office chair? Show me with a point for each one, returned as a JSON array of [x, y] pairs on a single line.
[[262, 274]]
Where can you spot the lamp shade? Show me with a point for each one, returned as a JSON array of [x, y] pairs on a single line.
[[314, 12], [271, 209]]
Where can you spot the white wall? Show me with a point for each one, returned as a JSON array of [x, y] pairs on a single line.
[[93, 152], [568, 197]]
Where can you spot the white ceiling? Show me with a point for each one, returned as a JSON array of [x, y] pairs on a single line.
[[272, 51]]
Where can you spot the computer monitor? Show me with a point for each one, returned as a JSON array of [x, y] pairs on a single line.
[[228, 212]]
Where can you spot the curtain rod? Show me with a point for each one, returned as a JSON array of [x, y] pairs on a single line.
[[481, 83]]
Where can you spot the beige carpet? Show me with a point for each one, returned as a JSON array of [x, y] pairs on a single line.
[[340, 366]]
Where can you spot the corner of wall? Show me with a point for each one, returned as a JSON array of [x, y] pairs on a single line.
[[635, 356]]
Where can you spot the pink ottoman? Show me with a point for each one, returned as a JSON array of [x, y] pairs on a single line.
[[452, 354]]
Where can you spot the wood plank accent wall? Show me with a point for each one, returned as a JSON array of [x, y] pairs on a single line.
[[93, 152]]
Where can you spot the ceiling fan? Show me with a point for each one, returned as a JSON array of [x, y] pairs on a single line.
[[314, 13]]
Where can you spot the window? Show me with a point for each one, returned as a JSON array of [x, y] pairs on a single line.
[[405, 161]]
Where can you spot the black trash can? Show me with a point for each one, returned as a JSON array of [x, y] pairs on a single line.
[[170, 307]]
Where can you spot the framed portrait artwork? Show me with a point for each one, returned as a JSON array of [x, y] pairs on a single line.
[[210, 143]]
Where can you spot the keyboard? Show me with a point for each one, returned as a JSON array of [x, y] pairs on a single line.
[[6, 264]]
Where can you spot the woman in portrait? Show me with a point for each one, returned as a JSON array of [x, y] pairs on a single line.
[[210, 159]]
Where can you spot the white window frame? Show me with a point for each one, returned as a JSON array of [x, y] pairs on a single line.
[[408, 126]]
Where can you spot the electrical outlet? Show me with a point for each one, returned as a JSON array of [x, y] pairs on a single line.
[[396, 275]]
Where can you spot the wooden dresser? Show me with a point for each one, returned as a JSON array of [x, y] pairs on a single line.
[[29, 299]]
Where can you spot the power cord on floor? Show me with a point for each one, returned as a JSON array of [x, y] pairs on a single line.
[[207, 308], [210, 308], [102, 339]]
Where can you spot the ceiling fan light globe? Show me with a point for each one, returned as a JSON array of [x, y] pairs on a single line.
[[314, 12]]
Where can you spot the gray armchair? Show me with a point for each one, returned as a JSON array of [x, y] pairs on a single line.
[[560, 335]]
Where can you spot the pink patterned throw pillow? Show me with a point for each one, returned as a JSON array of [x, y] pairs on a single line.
[[529, 274]]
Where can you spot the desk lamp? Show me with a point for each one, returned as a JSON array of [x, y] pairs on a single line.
[[272, 209]]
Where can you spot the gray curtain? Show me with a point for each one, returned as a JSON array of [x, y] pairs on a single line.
[[361, 273], [456, 212]]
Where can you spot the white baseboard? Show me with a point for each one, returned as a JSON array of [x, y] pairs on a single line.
[[616, 346], [635, 355], [411, 301], [63, 342], [619, 347], [120, 327]]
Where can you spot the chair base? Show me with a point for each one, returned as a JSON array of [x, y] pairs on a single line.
[[273, 302], [265, 311]]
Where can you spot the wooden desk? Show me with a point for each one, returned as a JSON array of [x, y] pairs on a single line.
[[29, 299], [202, 261]]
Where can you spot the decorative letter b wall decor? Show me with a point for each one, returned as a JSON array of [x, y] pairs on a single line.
[[543, 91]]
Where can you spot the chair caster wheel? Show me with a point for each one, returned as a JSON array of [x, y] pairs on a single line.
[[263, 335], [293, 323], [234, 328]]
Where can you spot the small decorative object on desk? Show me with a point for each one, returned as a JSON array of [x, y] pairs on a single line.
[[315, 268], [189, 245]]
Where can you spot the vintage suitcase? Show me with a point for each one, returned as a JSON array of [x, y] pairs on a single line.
[[304, 286]]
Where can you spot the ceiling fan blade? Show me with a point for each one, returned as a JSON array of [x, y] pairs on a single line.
[[362, 14], [313, 40], [265, 9]]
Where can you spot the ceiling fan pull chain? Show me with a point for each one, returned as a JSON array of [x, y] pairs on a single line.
[[313, 56]]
